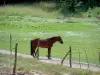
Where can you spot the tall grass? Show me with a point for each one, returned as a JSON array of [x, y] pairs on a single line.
[[44, 9], [39, 10], [24, 64]]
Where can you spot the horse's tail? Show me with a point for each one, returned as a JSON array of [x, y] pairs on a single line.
[[31, 50]]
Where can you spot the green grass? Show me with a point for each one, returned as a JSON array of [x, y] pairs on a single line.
[[24, 64], [80, 33]]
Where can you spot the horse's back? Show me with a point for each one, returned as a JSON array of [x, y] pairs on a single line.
[[34, 41]]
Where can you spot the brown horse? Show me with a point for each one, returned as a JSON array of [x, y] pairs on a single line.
[[44, 43]]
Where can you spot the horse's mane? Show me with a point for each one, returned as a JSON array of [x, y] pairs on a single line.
[[35, 39], [54, 37]]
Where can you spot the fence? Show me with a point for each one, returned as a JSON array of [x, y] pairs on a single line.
[[80, 55], [8, 68], [7, 42], [75, 64], [79, 64]]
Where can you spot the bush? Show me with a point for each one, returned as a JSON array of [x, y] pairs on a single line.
[[94, 12]]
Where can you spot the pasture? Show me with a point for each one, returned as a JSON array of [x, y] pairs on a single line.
[[24, 23]]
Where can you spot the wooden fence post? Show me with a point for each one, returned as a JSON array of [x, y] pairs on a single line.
[[11, 44], [79, 58], [99, 56], [15, 61], [64, 57], [70, 57], [87, 59]]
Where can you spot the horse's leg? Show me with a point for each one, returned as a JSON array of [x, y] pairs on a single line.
[[49, 53], [32, 50], [37, 53], [34, 53]]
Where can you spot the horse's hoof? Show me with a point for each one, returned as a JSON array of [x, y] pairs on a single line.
[[46, 55], [49, 58]]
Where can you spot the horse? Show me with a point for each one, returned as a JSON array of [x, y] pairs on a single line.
[[44, 43]]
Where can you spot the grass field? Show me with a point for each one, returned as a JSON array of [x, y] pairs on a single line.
[[28, 22]]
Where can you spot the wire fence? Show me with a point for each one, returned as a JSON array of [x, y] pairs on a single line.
[[78, 56], [80, 64], [8, 42]]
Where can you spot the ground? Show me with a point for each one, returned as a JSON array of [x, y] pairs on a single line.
[[75, 64]]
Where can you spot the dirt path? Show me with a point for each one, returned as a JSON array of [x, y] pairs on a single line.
[[75, 64]]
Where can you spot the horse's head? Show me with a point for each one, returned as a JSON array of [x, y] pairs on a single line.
[[55, 39], [60, 40]]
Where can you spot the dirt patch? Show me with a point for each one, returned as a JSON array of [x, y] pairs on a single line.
[[9, 71], [5, 71]]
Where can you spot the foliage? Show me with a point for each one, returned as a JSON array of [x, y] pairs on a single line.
[[94, 12], [66, 7]]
